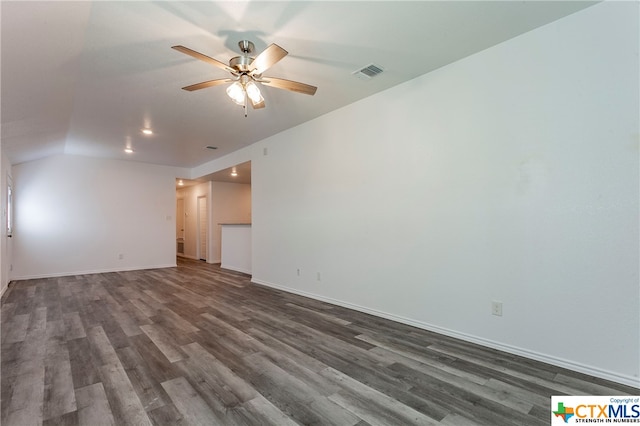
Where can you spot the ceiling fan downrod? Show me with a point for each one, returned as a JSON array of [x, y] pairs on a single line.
[[246, 47]]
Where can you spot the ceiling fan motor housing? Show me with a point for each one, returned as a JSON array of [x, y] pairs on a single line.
[[241, 63]]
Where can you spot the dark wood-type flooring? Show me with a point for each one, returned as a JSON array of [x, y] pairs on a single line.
[[198, 345]]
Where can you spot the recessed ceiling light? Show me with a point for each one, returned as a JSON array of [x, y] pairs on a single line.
[[234, 173], [128, 150], [147, 131], [180, 182]]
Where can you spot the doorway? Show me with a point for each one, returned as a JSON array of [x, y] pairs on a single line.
[[202, 228], [180, 226]]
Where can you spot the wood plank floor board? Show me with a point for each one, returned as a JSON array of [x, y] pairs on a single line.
[[156, 363], [297, 400], [405, 348], [327, 316], [145, 306], [24, 297], [197, 344], [124, 402], [127, 323], [84, 366], [284, 350], [70, 304], [592, 385], [429, 366], [149, 390], [11, 353], [234, 361], [6, 314], [67, 419], [27, 398], [539, 378], [226, 329], [59, 396], [74, 329], [173, 320], [190, 315], [298, 367], [267, 413], [473, 408], [351, 361], [472, 390], [496, 358], [163, 342], [192, 298], [166, 415], [331, 328], [155, 295], [373, 406], [189, 403], [103, 352], [210, 390], [93, 406], [222, 346], [217, 372], [16, 329]]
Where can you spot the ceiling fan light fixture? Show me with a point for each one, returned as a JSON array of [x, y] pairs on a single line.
[[253, 92], [236, 93]]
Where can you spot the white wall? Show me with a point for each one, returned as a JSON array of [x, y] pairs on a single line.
[[511, 175], [231, 203], [76, 215]]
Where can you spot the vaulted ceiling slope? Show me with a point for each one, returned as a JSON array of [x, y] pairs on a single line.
[[85, 77]]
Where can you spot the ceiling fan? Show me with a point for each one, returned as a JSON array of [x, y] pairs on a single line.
[[246, 72]]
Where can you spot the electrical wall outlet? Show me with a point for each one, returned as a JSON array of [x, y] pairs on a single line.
[[318, 277], [120, 256], [496, 308], [298, 271]]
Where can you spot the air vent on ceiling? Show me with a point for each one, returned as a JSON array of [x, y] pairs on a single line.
[[368, 72], [211, 147]]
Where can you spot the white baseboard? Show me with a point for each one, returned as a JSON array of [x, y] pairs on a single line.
[[187, 256], [89, 272], [236, 268], [549, 359]]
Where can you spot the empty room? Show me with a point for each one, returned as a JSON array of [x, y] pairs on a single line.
[[320, 212]]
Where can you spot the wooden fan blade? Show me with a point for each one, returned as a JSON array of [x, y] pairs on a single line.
[[206, 84], [202, 57], [257, 105], [294, 86], [267, 59]]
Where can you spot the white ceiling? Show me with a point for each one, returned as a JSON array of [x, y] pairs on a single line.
[[85, 77]]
